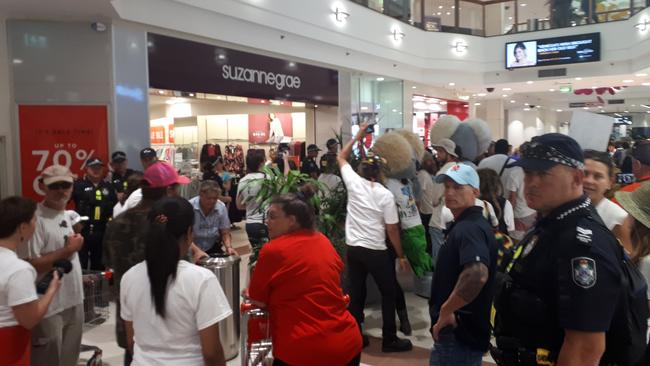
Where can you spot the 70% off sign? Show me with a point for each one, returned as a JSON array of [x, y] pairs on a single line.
[[61, 156]]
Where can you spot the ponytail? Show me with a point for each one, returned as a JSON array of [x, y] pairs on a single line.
[[169, 221]]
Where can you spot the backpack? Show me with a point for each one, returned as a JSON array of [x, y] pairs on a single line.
[[625, 341]]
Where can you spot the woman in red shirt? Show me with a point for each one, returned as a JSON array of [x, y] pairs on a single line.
[[297, 276]]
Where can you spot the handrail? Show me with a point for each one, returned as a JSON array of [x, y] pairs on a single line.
[[590, 17]]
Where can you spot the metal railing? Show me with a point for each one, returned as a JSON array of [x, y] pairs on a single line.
[[498, 17]]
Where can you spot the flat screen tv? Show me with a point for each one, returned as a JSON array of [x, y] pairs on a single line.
[[553, 51]]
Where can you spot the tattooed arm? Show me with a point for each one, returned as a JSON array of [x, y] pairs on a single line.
[[470, 282]]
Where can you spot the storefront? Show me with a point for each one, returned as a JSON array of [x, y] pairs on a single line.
[[427, 110], [207, 101]]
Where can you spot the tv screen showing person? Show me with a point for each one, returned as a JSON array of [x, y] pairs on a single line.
[[521, 54]]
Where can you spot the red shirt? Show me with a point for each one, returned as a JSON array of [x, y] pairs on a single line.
[[298, 277]]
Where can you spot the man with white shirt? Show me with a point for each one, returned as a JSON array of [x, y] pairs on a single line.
[[148, 157], [512, 180], [372, 214], [57, 338]]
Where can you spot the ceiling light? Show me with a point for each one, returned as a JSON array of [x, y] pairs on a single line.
[[444, 102], [641, 74], [628, 81], [17, 61], [594, 87], [380, 79], [645, 106], [585, 108], [551, 90], [529, 82], [481, 94], [463, 97], [397, 35], [645, 84], [505, 95], [506, 89], [460, 46], [364, 108], [414, 87], [633, 105], [191, 94], [292, 64], [452, 84], [578, 78], [512, 101], [522, 4], [161, 92], [558, 110], [221, 56], [643, 26], [477, 104], [526, 109], [626, 111], [341, 15], [316, 106]]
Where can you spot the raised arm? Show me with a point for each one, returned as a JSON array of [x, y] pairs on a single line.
[[342, 157]]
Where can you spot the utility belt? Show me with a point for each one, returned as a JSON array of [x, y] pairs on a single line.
[[519, 356]]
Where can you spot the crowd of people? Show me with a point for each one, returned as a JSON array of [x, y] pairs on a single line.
[[539, 257]]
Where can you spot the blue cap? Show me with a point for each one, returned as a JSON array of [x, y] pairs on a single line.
[[461, 174]]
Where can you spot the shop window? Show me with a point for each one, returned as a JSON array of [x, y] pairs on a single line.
[[439, 15]]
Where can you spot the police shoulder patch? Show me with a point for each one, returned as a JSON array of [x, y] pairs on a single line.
[[584, 235], [584, 271]]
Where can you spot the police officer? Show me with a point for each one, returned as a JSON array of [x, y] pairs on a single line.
[[560, 293], [309, 165], [94, 198], [332, 151], [119, 173]]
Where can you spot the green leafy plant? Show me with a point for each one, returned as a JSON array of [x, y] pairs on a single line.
[[275, 183], [331, 220]]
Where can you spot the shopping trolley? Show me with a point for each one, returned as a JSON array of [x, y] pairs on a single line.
[[256, 345], [97, 296]]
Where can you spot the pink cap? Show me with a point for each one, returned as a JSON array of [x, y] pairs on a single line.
[[161, 174]]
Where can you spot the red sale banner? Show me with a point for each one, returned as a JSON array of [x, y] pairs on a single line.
[[171, 133], [65, 135], [157, 134], [260, 126]]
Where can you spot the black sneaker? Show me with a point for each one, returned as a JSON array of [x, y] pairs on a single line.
[[405, 327], [396, 345], [366, 340]]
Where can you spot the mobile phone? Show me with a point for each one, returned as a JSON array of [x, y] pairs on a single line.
[[370, 129]]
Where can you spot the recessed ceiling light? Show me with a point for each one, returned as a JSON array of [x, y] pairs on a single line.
[[641, 74], [628, 81], [505, 95], [522, 4], [221, 56], [17, 61], [477, 104], [594, 87], [380, 79], [529, 82], [192, 94], [551, 90], [526, 109], [292, 64], [578, 78], [440, 7], [481, 94], [585, 108], [161, 92], [645, 84], [558, 110], [452, 84], [626, 111], [414, 87], [512, 101], [506, 89]]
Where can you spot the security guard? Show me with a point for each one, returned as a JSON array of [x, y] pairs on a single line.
[[94, 198], [309, 165], [332, 151], [561, 291], [119, 173]]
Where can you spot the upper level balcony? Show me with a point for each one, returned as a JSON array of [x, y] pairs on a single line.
[[498, 17]]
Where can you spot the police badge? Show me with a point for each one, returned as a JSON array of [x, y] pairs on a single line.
[[584, 271]]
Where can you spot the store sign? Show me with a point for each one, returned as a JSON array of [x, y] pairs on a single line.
[[182, 65], [64, 135], [157, 134]]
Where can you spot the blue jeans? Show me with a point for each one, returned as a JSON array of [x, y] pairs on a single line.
[[448, 351], [437, 239]]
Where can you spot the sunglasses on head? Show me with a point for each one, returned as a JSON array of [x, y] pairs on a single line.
[[59, 185]]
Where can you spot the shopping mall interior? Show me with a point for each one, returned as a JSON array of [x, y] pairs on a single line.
[[86, 78]]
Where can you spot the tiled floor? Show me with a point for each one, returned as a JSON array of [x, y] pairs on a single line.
[[103, 336]]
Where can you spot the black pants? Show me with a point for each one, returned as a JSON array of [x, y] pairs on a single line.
[[355, 362], [90, 255], [377, 263], [258, 235], [425, 221]]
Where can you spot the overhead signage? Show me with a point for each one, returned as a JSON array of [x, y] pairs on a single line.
[[566, 88], [188, 66], [553, 51], [585, 104]]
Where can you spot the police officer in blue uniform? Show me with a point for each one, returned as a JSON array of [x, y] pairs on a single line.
[[563, 289], [119, 172], [308, 165], [95, 198]]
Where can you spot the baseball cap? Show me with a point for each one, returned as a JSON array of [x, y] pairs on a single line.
[[461, 174], [118, 156], [448, 145], [147, 153], [637, 203], [313, 147], [161, 174], [93, 162], [641, 152], [57, 173], [545, 151], [331, 142]]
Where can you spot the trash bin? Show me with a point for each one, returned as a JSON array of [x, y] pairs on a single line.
[[226, 268]]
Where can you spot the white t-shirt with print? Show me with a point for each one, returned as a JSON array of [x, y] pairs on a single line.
[[611, 213], [370, 207], [17, 287], [407, 209], [194, 302], [428, 192], [52, 226], [248, 187]]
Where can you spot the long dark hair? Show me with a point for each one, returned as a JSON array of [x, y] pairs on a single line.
[[491, 189], [641, 238], [299, 206], [169, 221], [15, 211]]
